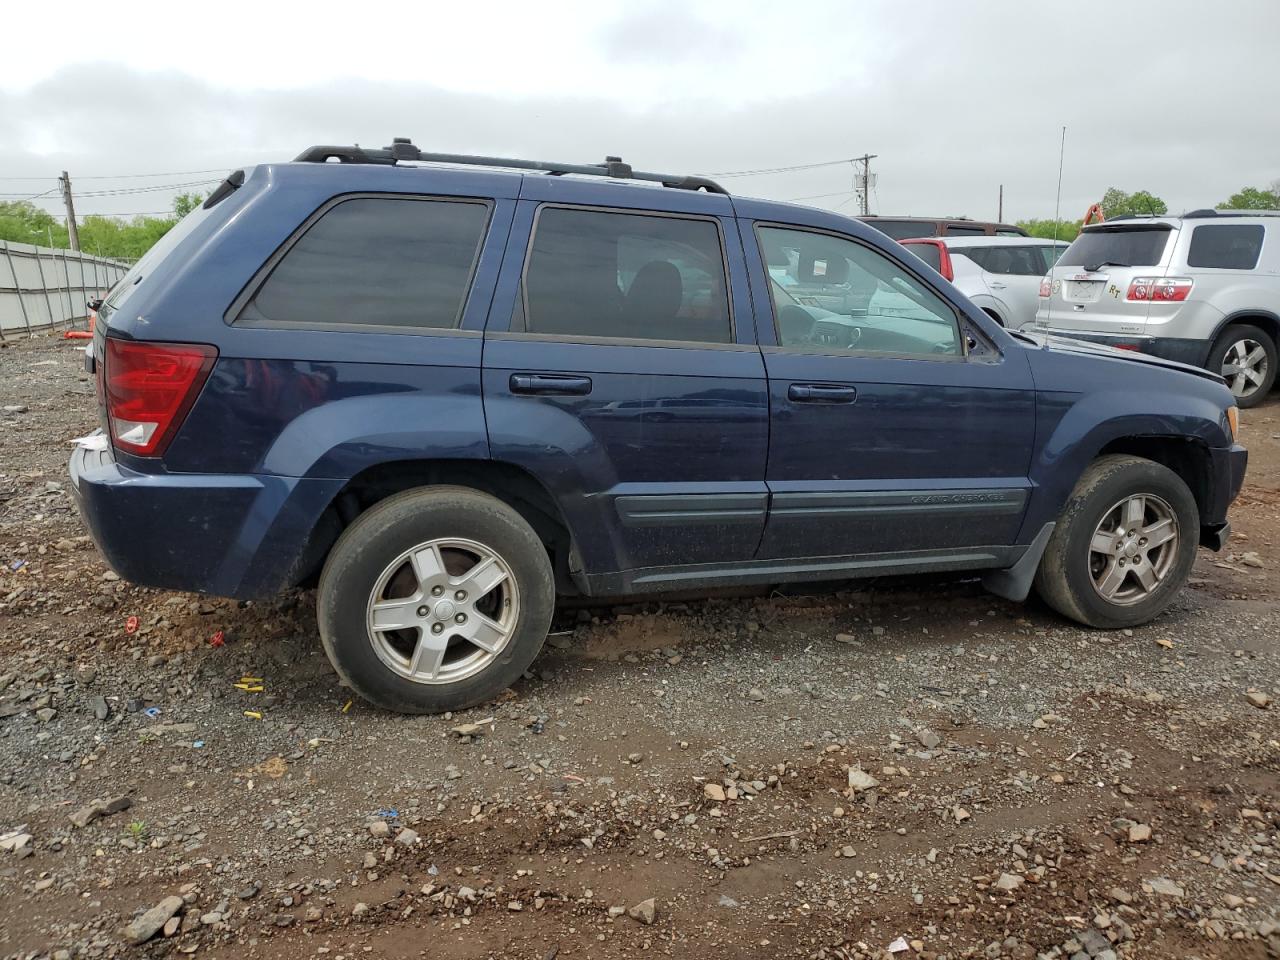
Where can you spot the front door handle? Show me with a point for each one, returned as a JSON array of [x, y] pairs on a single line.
[[542, 384], [821, 393]]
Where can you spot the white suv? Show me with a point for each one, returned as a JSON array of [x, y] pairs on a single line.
[[1203, 288]]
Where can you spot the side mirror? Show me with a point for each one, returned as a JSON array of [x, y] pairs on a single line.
[[94, 304]]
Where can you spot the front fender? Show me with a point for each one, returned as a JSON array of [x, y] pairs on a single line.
[[1073, 428]]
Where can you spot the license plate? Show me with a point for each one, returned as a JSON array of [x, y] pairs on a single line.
[[1084, 289]]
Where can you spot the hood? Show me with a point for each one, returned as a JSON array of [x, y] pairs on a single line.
[[1087, 349]]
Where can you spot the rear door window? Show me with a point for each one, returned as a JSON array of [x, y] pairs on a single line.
[[1132, 247], [960, 230], [1010, 261], [1225, 246], [395, 263], [597, 273]]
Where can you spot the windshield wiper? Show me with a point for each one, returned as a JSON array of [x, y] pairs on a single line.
[[1106, 263]]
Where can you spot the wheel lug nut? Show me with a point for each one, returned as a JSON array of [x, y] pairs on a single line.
[[436, 591], [437, 627], [423, 610], [1142, 542], [460, 618], [460, 595]]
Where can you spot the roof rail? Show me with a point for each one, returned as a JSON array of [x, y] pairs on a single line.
[[402, 149]]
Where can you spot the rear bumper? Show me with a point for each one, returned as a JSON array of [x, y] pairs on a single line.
[[229, 535], [1193, 352]]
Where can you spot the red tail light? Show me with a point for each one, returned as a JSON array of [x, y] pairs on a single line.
[[149, 389], [1159, 289], [1046, 288]]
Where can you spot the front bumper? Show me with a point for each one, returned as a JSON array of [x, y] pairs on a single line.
[[1192, 352], [1227, 467], [228, 535]]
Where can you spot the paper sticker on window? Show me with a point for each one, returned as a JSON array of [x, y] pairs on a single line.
[[819, 268]]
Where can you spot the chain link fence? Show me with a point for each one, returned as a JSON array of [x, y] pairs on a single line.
[[42, 288]]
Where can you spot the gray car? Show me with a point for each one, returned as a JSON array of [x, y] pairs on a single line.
[[1203, 288], [1001, 275]]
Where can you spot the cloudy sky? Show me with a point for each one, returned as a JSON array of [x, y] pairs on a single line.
[[955, 98]]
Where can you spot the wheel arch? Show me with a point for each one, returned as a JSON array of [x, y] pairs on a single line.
[[504, 481], [1264, 320]]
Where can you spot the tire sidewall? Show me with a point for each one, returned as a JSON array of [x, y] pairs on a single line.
[[1230, 337], [1126, 481], [386, 531]]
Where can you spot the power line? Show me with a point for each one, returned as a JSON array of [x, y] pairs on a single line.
[[131, 176], [818, 196], [768, 170]]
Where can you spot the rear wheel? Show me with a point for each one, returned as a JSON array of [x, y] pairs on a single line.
[[435, 599], [1245, 356], [1123, 546]]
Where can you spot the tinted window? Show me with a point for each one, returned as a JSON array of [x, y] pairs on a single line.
[[905, 229], [832, 294], [957, 230], [1134, 247], [928, 252], [376, 262], [1010, 233], [1226, 246], [596, 274], [1007, 260], [1050, 253]]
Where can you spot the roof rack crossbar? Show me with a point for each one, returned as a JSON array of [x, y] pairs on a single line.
[[401, 149]]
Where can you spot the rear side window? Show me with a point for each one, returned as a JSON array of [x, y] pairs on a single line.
[[1226, 246], [1140, 247], [595, 273], [1007, 261], [905, 229], [928, 252], [957, 230], [400, 263]]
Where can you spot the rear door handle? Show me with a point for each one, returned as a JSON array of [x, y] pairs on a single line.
[[542, 384], [996, 285], [821, 393]]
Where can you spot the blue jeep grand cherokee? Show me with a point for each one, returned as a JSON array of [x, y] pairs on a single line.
[[453, 388]]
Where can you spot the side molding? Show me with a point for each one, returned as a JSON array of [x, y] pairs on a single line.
[[1014, 583]]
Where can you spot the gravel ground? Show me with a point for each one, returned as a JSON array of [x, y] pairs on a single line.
[[900, 768]]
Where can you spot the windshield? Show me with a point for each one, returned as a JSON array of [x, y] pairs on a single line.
[[1136, 247]]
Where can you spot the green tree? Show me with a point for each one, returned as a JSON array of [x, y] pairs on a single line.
[[1066, 229], [1252, 198], [21, 221], [184, 203], [1116, 202]]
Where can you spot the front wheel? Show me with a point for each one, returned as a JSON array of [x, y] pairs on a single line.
[[435, 599], [1123, 546], [1245, 356]]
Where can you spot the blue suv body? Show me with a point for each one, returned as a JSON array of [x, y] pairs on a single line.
[[584, 380]]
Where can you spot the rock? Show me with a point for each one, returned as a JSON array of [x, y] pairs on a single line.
[[407, 837], [846, 638], [171, 926], [1009, 882], [714, 792], [646, 911], [960, 814], [860, 780], [100, 808], [1094, 942], [379, 829], [1251, 559], [848, 852], [928, 739], [1258, 699], [1165, 887], [755, 694], [15, 408], [1139, 833], [370, 860], [15, 840], [101, 710], [45, 714], [1232, 901], [728, 902], [143, 928], [473, 729], [360, 909]]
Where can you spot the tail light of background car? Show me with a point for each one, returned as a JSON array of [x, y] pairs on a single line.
[[149, 389], [1046, 287], [1159, 289]]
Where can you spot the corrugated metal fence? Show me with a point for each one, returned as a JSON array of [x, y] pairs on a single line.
[[44, 287]]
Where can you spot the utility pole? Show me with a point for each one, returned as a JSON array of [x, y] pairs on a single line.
[[72, 233], [1000, 207], [862, 182]]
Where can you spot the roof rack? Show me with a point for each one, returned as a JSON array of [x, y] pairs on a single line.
[[402, 149], [1199, 214]]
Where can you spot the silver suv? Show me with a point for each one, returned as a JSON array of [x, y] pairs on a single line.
[[1203, 288]]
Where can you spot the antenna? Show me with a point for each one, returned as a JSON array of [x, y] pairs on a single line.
[[1057, 204]]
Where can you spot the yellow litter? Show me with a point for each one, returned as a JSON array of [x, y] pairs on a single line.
[[253, 714], [346, 706]]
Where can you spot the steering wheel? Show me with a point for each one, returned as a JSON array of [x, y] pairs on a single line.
[[828, 333]]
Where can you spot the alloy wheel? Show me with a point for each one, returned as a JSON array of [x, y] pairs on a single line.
[[1245, 367], [1133, 549]]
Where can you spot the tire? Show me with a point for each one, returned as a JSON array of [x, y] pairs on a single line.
[[409, 554], [1235, 344], [1073, 573]]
